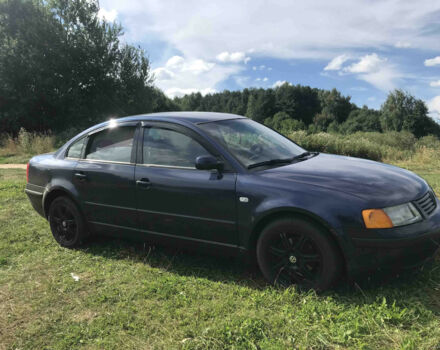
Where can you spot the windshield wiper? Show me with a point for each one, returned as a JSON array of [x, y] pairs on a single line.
[[270, 162], [283, 160], [303, 155]]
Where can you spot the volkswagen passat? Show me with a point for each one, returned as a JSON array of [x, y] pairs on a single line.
[[223, 181]]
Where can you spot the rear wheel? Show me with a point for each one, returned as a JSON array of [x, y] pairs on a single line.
[[66, 222], [296, 251]]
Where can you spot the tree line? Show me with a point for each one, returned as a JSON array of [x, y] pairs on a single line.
[[62, 67], [296, 107]]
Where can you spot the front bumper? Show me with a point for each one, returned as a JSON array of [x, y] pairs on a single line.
[[396, 249]]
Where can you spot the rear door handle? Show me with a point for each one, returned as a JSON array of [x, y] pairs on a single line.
[[80, 176], [144, 183]]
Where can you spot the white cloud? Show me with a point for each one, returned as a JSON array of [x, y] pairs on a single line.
[[402, 45], [162, 73], [435, 83], [234, 57], [278, 83], [175, 62], [367, 64], [375, 70], [265, 79], [337, 62], [178, 92], [181, 76], [109, 16], [261, 67], [432, 61], [284, 29], [198, 66], [434, 107]]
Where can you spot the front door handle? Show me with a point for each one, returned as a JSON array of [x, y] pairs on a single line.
[[144, 183], [81, 176]]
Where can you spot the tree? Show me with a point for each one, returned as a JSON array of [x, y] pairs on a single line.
[[281, 121], [261, 104], [363, 119], [334, 105], [60, 65], [402, 111]]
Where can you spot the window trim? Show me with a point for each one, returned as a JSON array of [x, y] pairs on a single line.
[[185, 131]]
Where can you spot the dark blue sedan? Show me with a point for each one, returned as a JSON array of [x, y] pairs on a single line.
[[224, 182]]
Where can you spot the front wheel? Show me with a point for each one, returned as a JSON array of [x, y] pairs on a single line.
[[66, 222], [296, 251]]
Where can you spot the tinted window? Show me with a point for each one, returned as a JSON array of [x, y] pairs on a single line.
[[112, 144], [171, 148], [75, 149]]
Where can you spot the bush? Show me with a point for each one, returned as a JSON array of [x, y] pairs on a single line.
[[370, 145], [27, 143], [429, 141]]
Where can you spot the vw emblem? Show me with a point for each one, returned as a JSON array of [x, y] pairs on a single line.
[[292, 259]]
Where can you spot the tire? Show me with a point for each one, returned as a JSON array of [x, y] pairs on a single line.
[[66, 223], [296, 251]]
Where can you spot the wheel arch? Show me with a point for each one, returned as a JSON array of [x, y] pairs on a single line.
[[56, 192]]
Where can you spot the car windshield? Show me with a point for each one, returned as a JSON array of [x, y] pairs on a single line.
[[252, 143]]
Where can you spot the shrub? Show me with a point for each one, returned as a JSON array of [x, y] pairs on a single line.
[[429, 141], [371, 145], [27, 143]]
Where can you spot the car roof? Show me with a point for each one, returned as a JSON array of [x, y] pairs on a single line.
[[191, 117]]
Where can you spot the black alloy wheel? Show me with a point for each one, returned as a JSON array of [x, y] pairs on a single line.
[[295, 251], [66, 222]]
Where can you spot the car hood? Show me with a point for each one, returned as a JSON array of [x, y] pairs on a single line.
[[375, 182]]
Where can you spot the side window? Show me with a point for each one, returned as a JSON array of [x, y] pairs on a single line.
[[75, 149], [170, 148], [114, 144]]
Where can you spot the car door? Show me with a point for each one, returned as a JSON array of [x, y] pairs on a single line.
[[104, 179], [173, 197]]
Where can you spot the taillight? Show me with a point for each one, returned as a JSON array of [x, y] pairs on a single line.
[[27, 172]]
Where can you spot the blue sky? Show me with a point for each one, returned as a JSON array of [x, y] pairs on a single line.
[[362, 48]]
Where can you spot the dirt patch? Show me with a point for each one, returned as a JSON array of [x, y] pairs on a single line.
[[12, 166]]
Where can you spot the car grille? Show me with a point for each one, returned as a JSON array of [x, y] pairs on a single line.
[[427, 203]]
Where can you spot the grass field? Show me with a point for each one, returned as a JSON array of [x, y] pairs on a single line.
[[132, 296]]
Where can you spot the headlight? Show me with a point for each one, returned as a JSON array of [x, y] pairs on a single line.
[[398, 215]]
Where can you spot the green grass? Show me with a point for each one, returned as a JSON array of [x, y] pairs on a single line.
[[15, 158], [132, 296]]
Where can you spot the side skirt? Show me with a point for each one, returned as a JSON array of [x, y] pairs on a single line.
[[167, 239]]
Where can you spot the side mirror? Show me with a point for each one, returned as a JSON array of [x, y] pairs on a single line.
[[208, 163]]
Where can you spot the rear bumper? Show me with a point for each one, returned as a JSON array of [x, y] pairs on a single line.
[[397, 249], [35, 195]]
